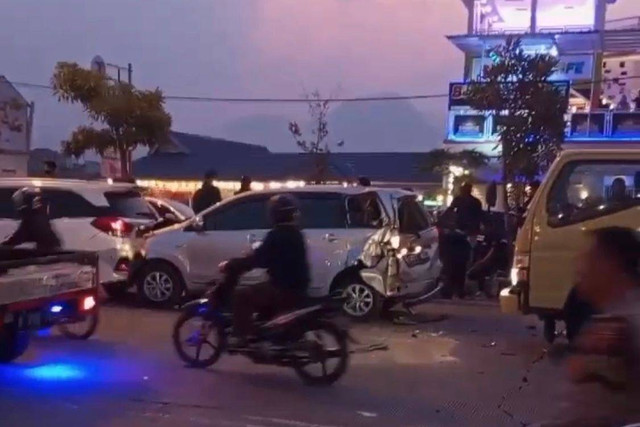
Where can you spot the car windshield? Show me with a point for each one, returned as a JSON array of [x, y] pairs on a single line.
[[129, 204]]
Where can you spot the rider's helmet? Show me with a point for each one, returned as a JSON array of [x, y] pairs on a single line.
[[283, 209], [28, 199]]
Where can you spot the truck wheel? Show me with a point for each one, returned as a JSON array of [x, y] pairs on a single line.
[[160, 284], [549, 329], [13, 343]]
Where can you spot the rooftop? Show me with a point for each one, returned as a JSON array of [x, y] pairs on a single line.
[[188, 157]]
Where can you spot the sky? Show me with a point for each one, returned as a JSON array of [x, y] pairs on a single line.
[[247, 48]]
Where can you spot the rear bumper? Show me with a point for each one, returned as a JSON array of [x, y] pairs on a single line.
[[70, 304]]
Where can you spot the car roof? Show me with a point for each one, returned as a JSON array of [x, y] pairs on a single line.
[[595, 153], [75, 184], [340, 189]]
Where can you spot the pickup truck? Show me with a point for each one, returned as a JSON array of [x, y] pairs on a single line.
[[40, 290]]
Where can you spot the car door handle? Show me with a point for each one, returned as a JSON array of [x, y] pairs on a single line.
[[330, 237]]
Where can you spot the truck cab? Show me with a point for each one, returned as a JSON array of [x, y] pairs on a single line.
[[584, 190]]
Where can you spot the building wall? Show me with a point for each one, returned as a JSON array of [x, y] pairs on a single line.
[[13, 164], [615, 85], [14, 119]]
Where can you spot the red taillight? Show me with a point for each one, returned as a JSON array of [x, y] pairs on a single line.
[[112, 225], [122, 266]]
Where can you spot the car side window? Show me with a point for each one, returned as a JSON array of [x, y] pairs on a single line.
[[243, 215], [7, 210], [364, 211], [411, 216], [67, 204], [591, 189], [322, 210]]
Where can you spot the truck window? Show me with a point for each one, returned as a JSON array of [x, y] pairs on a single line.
[[590, 189]]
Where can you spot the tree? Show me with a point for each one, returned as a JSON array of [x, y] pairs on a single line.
[[317, 145], [529, 109], [441, 160], [130, 117]]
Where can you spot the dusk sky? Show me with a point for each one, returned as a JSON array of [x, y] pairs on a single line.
[[243, 48]]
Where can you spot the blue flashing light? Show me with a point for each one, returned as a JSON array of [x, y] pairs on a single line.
[[56, 308], [55, 372]]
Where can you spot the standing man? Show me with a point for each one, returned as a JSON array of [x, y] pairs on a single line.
[[468, 212], [457, 245], [50, 169], [208, 195], [245, 185]]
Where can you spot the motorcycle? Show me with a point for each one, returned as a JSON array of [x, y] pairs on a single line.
[[302, 339]]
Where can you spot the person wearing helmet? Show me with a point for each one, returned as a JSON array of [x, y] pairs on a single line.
[[245, 185], [283, 254], [34, 224]]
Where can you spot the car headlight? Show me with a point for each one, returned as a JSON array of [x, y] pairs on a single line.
[[520, 269]]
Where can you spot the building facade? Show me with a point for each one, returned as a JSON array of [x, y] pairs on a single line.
[[16, 120], [599, 58]]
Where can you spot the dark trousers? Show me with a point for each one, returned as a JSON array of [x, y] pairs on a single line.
[[455, 252], [262, 298]]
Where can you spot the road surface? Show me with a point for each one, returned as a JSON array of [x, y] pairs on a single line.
[[473, 368]]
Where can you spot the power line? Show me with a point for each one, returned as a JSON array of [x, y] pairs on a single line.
[[305, 100]]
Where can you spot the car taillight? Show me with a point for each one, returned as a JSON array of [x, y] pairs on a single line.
[[122, 266], [88, 303], [112, 225]]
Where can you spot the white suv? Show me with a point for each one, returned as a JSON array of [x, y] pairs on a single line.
[[88, 215], [346, 230]]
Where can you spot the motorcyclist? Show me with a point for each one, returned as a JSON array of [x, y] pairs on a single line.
[[283, 254], [34, 224]]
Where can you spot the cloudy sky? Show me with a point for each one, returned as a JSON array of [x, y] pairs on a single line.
[[244, 48]]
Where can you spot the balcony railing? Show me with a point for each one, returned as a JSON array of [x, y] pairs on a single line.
[[630, 23], [470, 126], [539, 30]]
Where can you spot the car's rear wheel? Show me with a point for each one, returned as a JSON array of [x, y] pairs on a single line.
[[160, 284], [362, 302]]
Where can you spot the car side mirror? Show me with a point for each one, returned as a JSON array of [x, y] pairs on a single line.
[[197, 224]]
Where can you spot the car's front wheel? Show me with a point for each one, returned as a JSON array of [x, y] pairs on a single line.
[[362, 302], [160, 284]]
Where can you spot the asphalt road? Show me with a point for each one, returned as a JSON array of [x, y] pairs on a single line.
[[472, 368]]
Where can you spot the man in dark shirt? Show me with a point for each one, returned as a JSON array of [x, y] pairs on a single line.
[[283, 254], [245, 185], [468, 210], [208, 195]]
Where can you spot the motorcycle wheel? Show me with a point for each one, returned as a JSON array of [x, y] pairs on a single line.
[[320, 352], [80, 330], [202, 334]]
